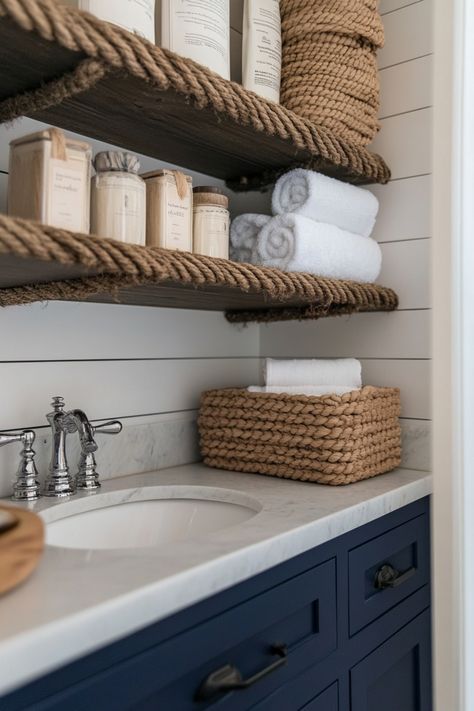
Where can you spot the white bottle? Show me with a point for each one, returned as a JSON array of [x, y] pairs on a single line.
[[261, 53], [134, 15], [198, 30], [118, 198]]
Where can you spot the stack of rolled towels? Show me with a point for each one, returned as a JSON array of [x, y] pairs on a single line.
[[320, 225], [315, 377]]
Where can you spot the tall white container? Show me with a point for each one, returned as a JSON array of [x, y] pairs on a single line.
[[134, 15], [261, 53], [198, 30]]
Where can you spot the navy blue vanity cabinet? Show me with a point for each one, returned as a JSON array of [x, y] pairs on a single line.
[[343, 627]]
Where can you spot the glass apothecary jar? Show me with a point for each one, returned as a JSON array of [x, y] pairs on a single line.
[[210, 222], [118, 198]]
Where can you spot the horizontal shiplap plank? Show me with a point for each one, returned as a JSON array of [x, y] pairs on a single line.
[[411, 376], [406, 269], [109, 389], [405, 209], [76, 331], [408, 34], [406, 87], [391, 5], [402, 334], [405, 143]]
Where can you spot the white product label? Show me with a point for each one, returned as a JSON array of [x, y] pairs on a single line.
[[67, 196], [199, 30], [261, 61], [178, 224], [134, 15]]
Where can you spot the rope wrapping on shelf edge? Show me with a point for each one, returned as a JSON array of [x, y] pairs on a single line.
[[110, 48], [122, 266]]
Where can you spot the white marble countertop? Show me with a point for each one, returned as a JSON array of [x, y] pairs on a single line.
[[79, 600]]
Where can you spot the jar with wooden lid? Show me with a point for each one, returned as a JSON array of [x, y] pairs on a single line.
[[169, 210], [118, 204], [49, 180], [211, 222]]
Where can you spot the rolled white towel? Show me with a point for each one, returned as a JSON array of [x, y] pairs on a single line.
[[311, 390], [297, 244], [320, 372], [243, 236], [326, 200]]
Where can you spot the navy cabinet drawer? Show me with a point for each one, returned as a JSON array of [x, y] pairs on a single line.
[[406, 550], [397, 675], [285, 700], [300, 613]]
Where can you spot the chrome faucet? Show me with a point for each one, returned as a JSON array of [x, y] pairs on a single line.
[[59, 481]]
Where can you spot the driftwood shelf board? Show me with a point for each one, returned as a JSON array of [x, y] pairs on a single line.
[[39, 263], [181, 113]]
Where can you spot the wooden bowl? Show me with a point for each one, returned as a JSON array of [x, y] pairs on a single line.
[[21, 546]]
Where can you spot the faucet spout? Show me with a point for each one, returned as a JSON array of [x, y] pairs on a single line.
[[80, 423]]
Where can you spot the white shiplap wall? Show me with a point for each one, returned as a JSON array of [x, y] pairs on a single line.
[[394, 348], [148, 366], [145, 366]]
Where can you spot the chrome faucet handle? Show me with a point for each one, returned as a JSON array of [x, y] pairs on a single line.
[[26, 486], [88, 476]]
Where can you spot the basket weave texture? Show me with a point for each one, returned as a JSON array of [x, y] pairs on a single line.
[[336, 439], [329, 65]]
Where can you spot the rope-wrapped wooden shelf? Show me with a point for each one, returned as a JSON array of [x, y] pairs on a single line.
[[40, 263], [67, 68]]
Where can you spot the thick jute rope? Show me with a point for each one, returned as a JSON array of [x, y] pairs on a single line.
[[105, 48], [329, 440], [329, 67], [120, 266]]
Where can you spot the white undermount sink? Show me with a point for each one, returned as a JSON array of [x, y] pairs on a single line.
[[146, 518]]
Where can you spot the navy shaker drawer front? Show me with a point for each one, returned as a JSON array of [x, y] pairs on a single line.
[[386, 570], [397, 675], [299, 613], [327, 701]]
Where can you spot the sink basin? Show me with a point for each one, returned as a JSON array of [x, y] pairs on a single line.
[[147, 523]]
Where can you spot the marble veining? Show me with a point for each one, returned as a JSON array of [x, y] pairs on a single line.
[[79, 600]]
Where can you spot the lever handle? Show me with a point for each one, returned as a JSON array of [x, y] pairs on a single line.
[[10, 437], [113, 427]]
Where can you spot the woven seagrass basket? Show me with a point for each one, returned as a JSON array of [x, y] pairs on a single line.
[[336, 439], [329, 65]]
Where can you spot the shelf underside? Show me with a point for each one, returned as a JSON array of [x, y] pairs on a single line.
[[40, 263], [183, 114]]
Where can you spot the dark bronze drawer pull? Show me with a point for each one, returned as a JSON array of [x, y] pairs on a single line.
[[388, 577], [229, 678]]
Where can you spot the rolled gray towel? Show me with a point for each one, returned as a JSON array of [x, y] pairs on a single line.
[[244, 231]]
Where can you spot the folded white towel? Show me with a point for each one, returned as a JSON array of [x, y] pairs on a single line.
[[313, 372], [243, 236], [297, 244], [326, 200], [310, 390]]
